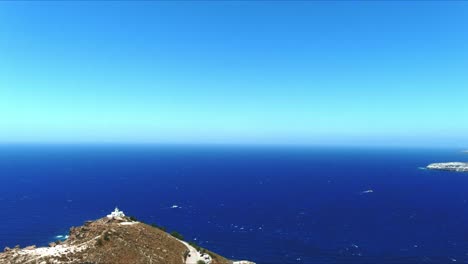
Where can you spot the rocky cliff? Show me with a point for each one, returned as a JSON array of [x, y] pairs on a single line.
[[115, 241]]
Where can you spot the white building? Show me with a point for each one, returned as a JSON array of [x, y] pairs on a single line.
[[116, 214]]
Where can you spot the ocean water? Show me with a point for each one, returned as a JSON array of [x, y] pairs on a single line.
[[267, 204]]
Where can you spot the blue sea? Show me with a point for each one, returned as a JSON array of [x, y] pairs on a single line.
[[272, 205]]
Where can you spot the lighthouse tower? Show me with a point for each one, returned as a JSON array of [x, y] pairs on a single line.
[[116, 214]]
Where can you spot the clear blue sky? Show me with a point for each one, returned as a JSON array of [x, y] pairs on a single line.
[[235, 72]]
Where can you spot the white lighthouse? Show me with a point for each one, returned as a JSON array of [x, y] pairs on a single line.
[[116, 214]]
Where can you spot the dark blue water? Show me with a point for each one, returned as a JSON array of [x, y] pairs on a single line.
[[267, 204]]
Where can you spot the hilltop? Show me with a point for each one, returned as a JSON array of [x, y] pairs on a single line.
[[115, 239]]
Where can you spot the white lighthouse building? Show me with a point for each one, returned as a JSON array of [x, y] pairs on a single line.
[[116, 214]]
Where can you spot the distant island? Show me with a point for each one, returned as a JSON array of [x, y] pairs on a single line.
[[117, 239], [449, 166]]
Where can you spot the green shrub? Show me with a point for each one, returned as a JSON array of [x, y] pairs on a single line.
[[158, 227], [177, 235]]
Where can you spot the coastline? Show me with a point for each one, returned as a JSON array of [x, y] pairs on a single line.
[[116, 238], [449, 166]]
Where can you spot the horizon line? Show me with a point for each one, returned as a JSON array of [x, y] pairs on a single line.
[[237, 144]]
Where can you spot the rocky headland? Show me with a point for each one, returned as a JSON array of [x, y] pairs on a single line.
[[116, 239]]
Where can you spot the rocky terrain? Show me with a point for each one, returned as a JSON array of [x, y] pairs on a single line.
[[450, 166], [115, 240]]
